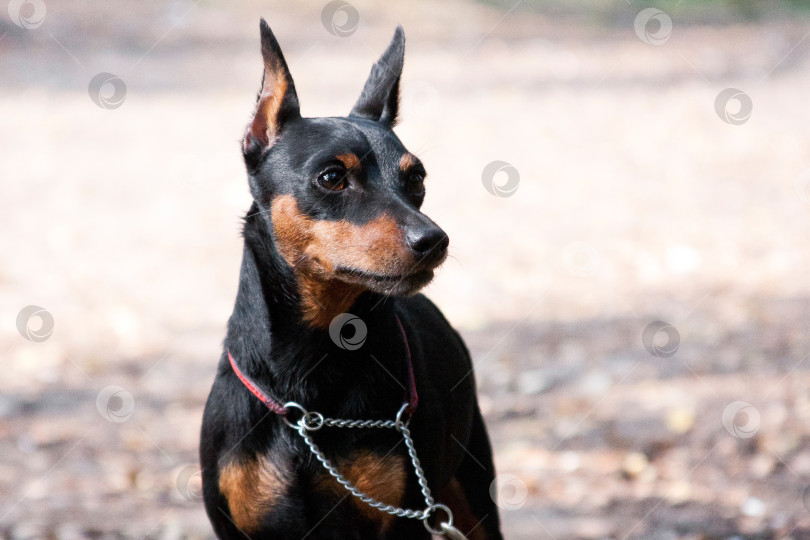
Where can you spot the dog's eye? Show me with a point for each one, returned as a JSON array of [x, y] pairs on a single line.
[[416, 184], [333, 180]]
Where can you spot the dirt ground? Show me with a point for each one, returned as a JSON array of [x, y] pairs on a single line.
[[639, 200]]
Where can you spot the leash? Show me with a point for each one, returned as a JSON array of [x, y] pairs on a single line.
[[311, 421]]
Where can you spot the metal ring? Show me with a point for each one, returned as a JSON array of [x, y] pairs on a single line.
[[294, 405], [399, 422], [429, 510], [313, 421]]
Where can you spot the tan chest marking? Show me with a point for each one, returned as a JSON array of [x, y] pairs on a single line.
[[381, 477], [252, 488]]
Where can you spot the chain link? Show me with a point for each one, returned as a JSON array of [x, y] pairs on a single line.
[[371, 501], [313, 421], [420, 474], [341, 423]]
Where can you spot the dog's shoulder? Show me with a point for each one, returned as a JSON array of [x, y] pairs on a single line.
[[439, 352], [425, 319]]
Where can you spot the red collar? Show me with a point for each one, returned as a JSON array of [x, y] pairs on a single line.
[[278, 408]]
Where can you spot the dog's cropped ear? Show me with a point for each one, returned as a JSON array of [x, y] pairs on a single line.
[[380, 97], [277, 102]]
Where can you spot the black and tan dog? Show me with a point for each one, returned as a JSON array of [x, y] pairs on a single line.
[[335, 227]]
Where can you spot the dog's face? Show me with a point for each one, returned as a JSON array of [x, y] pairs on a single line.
[[342, 194]]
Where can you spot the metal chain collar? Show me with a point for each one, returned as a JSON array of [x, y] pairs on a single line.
[[313, 421]]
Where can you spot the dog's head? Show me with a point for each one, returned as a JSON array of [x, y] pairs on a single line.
[[343, 194]]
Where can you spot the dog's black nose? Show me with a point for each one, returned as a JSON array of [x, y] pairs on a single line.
[[428, 241]]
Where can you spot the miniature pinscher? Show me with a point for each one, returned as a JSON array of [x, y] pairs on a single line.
[[328, 332]]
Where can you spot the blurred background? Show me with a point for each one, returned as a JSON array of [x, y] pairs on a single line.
[[626, 186]]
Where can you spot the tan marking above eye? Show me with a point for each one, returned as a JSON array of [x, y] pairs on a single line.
[[407, 161], [349, 160], [252, 488]]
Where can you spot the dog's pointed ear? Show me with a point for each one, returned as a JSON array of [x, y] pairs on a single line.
[[380, 97], [277, 101]]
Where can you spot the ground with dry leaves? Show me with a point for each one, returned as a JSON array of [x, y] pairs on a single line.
[[636, 203]]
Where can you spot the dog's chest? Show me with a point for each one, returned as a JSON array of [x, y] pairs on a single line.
[[261, 490]]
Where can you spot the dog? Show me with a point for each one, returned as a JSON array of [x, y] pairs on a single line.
[[328, 328]]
